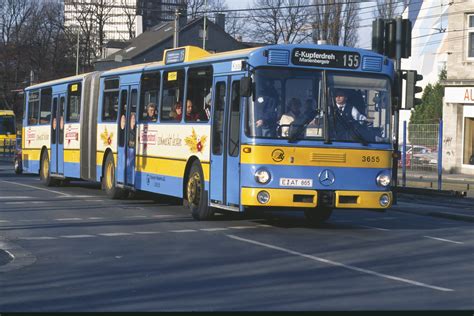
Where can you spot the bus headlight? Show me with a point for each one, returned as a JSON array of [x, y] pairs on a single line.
[[384, 178], [263, 197], [262, 176], [384, 200]]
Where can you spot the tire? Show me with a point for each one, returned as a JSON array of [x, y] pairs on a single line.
[[318, 215], [108, 180], [45, 171], [196, 195]]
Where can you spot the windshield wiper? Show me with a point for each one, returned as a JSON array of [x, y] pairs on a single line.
[[351, 127], [296, 129]]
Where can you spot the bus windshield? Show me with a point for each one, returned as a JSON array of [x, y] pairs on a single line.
[[288, 104], [7, 125]]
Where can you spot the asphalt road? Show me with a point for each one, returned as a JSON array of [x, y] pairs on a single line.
[[76, 250]]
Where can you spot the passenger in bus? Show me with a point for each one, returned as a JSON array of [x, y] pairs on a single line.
[[191, 114], [294, 110], [151, 112], [266, 116], [345, 109], [177, 111]]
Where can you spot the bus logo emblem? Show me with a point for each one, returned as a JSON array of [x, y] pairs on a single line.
[[327, 177], [278, 155]]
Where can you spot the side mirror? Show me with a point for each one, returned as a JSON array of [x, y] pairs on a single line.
[[245, 87]]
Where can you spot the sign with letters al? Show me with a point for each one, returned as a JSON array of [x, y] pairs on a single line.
[[325, 58]]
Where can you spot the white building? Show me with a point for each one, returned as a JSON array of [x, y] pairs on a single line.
[[124, 19], [429, 51], [119, 16], [458, 107]]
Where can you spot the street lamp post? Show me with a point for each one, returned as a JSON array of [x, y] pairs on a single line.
[[77, 50]]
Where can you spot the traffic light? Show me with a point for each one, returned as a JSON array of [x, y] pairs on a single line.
[[412, 77]]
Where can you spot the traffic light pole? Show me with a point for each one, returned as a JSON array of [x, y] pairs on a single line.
[[397, 106]]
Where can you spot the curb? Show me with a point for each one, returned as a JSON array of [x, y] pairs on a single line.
[[457, 217], [431, 192]]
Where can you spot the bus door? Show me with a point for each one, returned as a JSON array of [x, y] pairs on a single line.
[[127, 135], [57, 134], [225, 152]]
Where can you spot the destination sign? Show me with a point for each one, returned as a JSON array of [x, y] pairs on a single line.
[[325, 58], [174, 56]]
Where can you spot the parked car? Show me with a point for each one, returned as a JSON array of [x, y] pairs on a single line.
[[419, 155]]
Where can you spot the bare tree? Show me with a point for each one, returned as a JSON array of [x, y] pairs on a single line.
[[280, 21], [389, 9], [335, 21], [130, 13]]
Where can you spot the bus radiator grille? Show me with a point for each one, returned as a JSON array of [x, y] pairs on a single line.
[[318, 157]]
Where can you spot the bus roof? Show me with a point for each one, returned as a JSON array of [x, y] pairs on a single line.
[[57, 81]]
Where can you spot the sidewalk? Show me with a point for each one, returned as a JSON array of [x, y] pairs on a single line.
[[461, 209]]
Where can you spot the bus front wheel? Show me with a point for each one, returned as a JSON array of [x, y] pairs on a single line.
[[196, 195], [108, 180], [45, 172], [317, 216]]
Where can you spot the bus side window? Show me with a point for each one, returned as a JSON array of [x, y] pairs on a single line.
[[110, 101], [33, 107], [45, 106], [173, 87], [74, 102], [218, 121], [150, 90], [234, 120], [199, 92]]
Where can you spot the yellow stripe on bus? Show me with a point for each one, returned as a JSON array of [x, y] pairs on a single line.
[[323, 157], [166, 166], [72, 155]]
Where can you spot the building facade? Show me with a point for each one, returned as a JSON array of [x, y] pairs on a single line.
[[458, 106], [123, 19]]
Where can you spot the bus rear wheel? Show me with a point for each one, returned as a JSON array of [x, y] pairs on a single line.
[[45, 172], [317, 216], [108, 180], [196, 195]]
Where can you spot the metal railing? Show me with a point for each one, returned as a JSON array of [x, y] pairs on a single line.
[[421, 151]]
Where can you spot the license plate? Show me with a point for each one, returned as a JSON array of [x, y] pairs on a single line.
[[290, 182]]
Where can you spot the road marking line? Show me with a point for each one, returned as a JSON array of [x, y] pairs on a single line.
[[137, 216], [14, 203], [77, 236], [68, 219], [342, 265], [94, 200], [79, 196], [37, 238], [2, 221], [95, 218], [264, 225], [36, 202], [33, 187], [159, 216], [447, 240], [213, 229], [183, 231], [115, 234], [146, 233], [241, 227], [15, 197], [372, 227]]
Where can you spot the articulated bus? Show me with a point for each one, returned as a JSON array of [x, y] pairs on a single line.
[[261, 128]]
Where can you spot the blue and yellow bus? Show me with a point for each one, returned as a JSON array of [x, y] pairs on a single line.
[[304, 127], [7, 132]]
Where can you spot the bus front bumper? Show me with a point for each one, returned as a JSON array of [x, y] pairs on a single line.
[[315, 198]]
